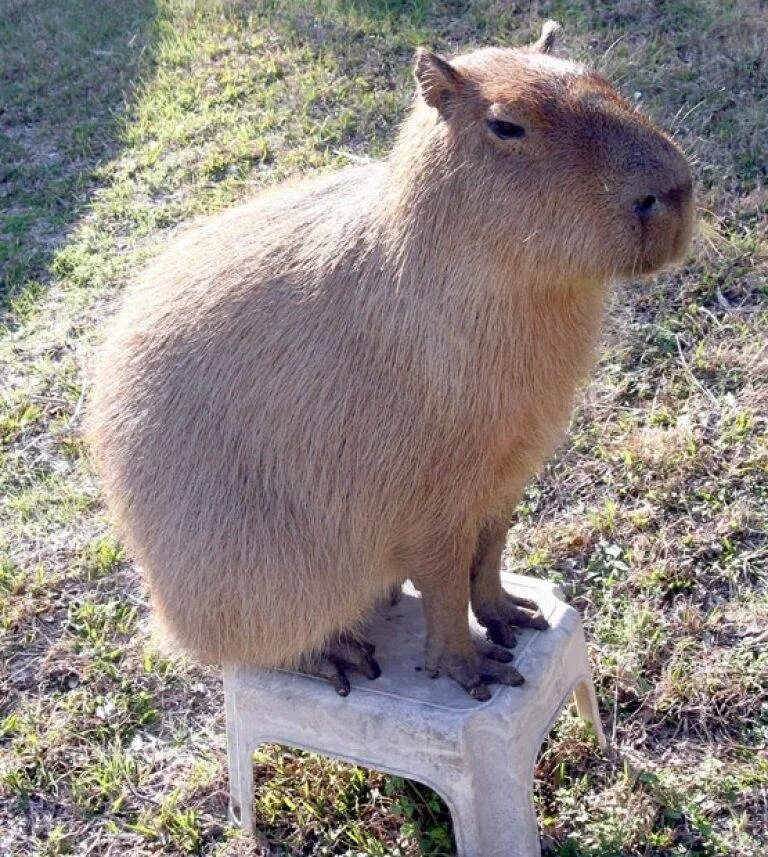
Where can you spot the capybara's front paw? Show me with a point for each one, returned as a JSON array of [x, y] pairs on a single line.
[[502, 618], [474, 672]]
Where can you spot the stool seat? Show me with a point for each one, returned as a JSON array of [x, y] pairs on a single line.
[[478, 756]]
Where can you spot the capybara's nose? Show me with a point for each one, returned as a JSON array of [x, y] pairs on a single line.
[[674, 198], [646, 206]]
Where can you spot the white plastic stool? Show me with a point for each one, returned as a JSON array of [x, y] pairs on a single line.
[[478, 756]]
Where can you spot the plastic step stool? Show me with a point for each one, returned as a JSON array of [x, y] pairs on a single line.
[[478, 756]]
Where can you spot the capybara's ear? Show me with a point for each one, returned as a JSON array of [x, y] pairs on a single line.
[[438, 80], [546, 42]]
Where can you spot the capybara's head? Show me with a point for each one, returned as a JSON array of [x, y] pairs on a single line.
[[560, 168]]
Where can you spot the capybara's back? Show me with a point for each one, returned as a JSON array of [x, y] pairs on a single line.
[[226, 419], [347, 382]]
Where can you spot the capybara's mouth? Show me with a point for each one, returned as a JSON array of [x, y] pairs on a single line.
[[667, 248], [683, 238]]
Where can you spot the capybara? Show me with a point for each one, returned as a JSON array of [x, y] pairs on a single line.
[[347, 381]]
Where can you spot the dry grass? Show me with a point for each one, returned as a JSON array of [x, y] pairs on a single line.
[[121, 120]]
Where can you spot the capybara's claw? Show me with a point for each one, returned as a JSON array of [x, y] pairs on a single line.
[[479, 691], [501, 633], [503, 618], [538, 622], [494, 672], [527, 613], [339, 681], [474, 673], [492, 651]]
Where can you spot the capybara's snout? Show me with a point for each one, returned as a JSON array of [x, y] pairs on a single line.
[[660, 203]]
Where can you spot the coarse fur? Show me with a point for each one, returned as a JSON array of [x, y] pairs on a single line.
[[348, 381]]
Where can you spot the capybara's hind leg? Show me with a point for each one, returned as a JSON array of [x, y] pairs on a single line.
[[498, 611], [340, 654]]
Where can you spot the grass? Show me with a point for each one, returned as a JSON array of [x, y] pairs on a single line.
[[121, 120]]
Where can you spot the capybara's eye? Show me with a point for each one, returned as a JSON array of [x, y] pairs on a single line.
[[506, 130]]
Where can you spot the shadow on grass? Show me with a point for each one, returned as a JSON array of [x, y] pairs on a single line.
[[69, 81], [69, 69]]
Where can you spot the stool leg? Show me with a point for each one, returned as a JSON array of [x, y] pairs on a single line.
[[241, 785], [584, 690], [586, 706], [492, 808], [239, 754]]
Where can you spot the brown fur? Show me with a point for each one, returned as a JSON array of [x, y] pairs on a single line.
[[348, 381]]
